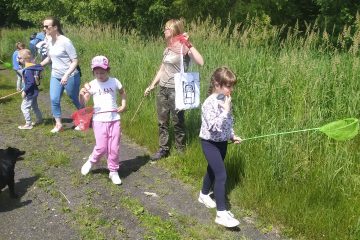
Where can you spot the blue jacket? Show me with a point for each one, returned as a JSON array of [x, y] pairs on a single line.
[[31, 89], [39, 37], [15, 62]]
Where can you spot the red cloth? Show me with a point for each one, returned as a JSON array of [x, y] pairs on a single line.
[[82, 118]]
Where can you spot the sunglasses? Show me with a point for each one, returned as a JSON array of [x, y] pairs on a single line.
[[47, 26]]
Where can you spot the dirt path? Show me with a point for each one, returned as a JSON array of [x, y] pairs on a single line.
[[58, 203]]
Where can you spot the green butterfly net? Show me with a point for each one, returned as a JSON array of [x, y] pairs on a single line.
[[340, 130], [7, 65]]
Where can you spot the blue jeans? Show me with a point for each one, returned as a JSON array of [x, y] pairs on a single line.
[[56, 90]]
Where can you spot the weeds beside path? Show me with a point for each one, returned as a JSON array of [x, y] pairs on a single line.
[[57, 202]]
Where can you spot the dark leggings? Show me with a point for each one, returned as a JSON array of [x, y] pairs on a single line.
[[215, 176]]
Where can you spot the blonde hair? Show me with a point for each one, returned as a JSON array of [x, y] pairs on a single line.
[[176, 26], [20, 45], [221, 76], [25, 54]]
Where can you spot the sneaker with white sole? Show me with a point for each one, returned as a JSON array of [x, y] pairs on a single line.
[[85, 169], [226, 219], [114, 176], [25, 127], [206, 200]]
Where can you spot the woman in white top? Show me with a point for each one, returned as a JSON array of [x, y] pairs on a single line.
[[64, 72], [178, 46]]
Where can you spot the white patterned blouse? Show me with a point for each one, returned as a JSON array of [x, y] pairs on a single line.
[[216, 124]]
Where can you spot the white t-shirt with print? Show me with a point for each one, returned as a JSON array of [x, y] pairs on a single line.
[[104, 97]]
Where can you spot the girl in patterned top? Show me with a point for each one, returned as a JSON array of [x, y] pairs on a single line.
[[216, 130]]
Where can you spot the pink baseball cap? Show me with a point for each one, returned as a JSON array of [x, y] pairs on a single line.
[[100, 61]]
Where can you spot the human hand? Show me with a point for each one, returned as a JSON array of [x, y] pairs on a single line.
[[148, 90], [23, 94], [83, 91], [64, 80], [184, 39], [226, 104], [236, 140], [121, 109], [87, 86]]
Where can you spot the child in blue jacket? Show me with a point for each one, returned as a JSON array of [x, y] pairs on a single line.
[[30, 91], [16, 65]]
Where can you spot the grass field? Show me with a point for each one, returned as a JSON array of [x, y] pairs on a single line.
[[306, 183]]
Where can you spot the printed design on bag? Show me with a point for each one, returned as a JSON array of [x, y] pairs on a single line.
[[189, 92]]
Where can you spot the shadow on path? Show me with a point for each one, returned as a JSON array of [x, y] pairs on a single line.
[[21, 187]]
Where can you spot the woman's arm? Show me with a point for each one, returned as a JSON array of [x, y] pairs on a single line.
[[196, 56], [73, 65], [155, 81], [45, 61]]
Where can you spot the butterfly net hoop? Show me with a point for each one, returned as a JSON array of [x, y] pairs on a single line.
[[82, 117], [341, 130]]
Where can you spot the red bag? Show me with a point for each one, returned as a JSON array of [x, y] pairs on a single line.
[[82, 118]]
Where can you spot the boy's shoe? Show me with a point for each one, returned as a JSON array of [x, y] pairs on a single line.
[[160, 154], [77, 128], [114, 176], [206, 200], [56, 129], [85, 169], [226, 218], [25, 127]]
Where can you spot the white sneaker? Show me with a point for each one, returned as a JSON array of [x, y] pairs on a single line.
[[25, 127], [226, 218], [77, 128], [85, 169], [206, 200], [114, 176]]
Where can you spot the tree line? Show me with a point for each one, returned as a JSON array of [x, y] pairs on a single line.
[[147, 16]]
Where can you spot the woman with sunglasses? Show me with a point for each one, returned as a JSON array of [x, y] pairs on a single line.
[[64, 72]]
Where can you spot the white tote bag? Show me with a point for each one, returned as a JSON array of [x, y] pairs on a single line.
[[187, 88]]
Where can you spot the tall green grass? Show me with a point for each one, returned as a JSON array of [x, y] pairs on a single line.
[[305, 182]]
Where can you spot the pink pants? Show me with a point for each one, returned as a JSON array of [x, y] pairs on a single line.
[[107, 136]]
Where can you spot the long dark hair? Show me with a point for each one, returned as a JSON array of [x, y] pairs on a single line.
[[55, 22], [222, 76]]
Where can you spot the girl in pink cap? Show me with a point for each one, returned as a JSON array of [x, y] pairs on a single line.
[[106, 118]]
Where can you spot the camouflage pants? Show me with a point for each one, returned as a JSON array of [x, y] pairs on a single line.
[[165, 102]]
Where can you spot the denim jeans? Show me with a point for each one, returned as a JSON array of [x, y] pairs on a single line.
[[56, 91]]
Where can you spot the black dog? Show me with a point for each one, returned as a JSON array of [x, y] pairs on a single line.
[[8, 158]]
